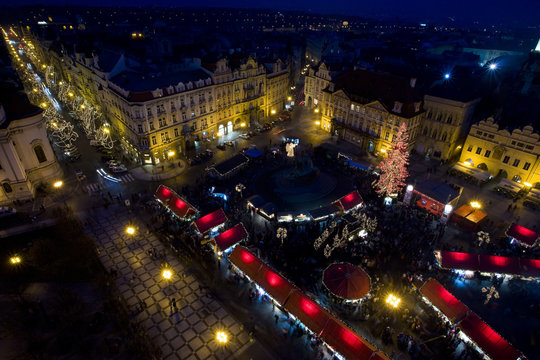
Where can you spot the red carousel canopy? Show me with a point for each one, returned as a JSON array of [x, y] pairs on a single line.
[[459, 260], [443, 300], [231, 237], [248, 263], [487, 339], [307, 311], [210, 221], [346, 281], [522, 234], [349, 344], [350, 201], [163, 194]]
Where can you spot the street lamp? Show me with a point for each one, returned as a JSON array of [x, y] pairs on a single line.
[[393, 301], [130, 230], [106, 130], [43, 105], [170, 153], [166, 274], [70, 94], [58, 184], [317, 123], [222, 337], [289, 98], [475, 205], [15, 260], [273, 112]]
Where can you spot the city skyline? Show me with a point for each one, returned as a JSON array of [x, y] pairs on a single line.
[[522, 12]]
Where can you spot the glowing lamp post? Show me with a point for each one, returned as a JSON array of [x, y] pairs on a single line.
[[130, 230], [393, 301], [58, 184], [316, 110], [15, 260], [222, 337], [170, 154], [273, 112], [475, 205], [166, 274]]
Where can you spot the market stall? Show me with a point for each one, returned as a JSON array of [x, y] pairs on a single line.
[[350, 202], [231, 237], [522, 235], [210, 221], [468, 217], [443, 300]]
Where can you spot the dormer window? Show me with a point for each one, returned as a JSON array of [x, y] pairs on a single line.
[[397, 107], [190, 85], [180, 87], [417, 107]]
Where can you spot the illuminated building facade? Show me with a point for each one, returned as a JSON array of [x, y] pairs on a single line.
[[515, 155]]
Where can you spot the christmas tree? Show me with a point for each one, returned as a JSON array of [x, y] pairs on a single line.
[[394, 168]]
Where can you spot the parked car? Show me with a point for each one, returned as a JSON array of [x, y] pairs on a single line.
[[244, 136], [229, 143], [118, 169], [72, 153], [221, 147], [267, 127], [7, 211]]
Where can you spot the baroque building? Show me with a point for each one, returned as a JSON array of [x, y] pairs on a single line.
[[27, 160], [446, 123], [367, 108], [511, 154]]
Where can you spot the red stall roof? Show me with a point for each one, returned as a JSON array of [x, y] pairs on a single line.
[[248, 263], [274, 284], [346, 342], [346, 280], [231, 237], [459, 260], [210, 221], [180, 207], [487, 339], [307, 311], [522, 234], [163, 193], [499, 264], [530, 267], [350, 201], [443, 300]]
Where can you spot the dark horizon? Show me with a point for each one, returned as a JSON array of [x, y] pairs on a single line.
[[524, 12]]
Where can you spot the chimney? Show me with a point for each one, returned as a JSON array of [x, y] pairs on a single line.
[[412, 83]]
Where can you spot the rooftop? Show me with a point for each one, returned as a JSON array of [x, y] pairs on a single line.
[[136, 81]]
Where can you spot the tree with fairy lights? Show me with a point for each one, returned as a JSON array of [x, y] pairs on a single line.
[[394, 168]]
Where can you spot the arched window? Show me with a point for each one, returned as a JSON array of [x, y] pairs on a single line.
[[40, 154], [449, 120], [7, 187], [443, 137], [434, 135]]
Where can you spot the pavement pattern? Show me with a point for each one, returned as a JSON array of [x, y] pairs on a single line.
[[188, 332]]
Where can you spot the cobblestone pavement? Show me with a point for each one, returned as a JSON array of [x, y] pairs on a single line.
[[185, 333]]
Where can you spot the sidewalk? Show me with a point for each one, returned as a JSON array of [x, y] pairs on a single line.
[[165, 171], [185, 332]]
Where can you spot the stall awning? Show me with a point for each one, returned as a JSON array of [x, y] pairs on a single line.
[[256, 201], [476, 216], [307, 311], [346, 342], [487, 339], [443, 300], [350, 201], [163, 194], [210, 221], [324, 212], [530, 267], [522, 234], [274, 284], [499, 264], [231, 237], [181, 207], [230, 165], [459, 260], [248, 263], [253, 153]]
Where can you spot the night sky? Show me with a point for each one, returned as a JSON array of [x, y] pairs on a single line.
[[500, 11]]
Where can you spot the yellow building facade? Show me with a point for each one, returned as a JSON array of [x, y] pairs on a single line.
[[514, 155]]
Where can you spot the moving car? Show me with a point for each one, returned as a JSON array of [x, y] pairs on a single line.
[[244, 136], [7, 211]]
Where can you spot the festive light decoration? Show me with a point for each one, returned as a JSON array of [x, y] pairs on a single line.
[[394, 168], [281, 234], [491, 292], [482, 237]]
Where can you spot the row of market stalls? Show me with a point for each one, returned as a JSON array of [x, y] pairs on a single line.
[[330, 329], [175, 203], [209, 224], [490, 264], [470, 173], [472, 327], [343, 205]]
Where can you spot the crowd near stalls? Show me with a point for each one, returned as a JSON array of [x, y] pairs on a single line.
[[387, 251]]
